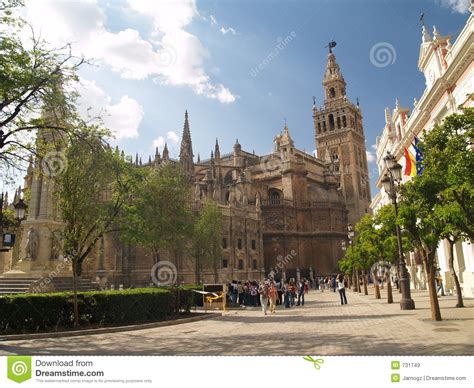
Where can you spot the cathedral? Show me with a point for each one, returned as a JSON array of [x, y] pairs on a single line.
[[284, 213]]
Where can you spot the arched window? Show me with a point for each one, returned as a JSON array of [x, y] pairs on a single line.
[[331, 122], [338, 123], [324, 126], [275, 197], [227, 196], [319, 127], [332, 92], [344, 122]]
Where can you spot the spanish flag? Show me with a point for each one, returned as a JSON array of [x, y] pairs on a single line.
[[419, 156], [410, 163]]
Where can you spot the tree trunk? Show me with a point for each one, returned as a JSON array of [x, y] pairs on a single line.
[[364, 280], [434, 303], [358, 282], [389, 287], [354, 281], [74, 291], [376, 286], [460, 302], [197, 270], [178, 299]]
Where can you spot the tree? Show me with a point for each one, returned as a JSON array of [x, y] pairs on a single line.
[[387, 245], [90, 192], [159, 214], [207, 248], [365, 245], [449, 162], [32, 76], [416, 215]]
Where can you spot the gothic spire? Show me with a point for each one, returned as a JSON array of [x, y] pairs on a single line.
[[157, 155], [186, 152], [166, 154], [217, 151]]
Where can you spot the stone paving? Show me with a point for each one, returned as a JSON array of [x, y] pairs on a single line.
[[366, 326]]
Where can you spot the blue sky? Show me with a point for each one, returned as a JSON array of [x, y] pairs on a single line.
[[156, 59]]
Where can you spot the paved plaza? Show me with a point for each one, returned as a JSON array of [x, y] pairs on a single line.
[[365, 326]]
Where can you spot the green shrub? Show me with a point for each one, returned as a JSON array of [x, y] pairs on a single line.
[[26, 313], [196, 298]]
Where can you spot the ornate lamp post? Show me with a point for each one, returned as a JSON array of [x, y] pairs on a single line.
[[350, 237], [8, 239], [391, 183]]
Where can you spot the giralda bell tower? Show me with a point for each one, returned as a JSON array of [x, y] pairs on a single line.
[[339, 132]]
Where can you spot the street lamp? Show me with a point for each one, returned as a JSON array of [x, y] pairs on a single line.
[[8, 239], [350, 237], [20, 209], [391, 184]]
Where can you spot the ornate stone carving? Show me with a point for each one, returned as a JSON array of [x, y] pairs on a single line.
[[32, 244]]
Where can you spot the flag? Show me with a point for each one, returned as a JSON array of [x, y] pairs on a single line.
[[410, 163], [419, 156]]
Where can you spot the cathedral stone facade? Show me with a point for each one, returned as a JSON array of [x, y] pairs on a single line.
[[285, 212]]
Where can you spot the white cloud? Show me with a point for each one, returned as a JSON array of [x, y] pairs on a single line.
[[460, 6], [122, 118], [225, 31], [172, 136], [370, 156], [374, 147], [213, 20], [173, 56]]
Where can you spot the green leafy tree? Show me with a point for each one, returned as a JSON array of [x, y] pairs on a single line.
[[91, 192], [386, 244], [449, 162], [207, 248], [33, 76], [159, 215], [417, 216]]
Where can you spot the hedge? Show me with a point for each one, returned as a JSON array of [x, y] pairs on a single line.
[[29, 313]]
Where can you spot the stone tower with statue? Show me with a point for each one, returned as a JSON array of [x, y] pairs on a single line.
[[340, 138]]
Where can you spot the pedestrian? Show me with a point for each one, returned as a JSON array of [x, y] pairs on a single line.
[[316, 283], [253, 294], [286, 293], [263, 290], [240, 292], [280, 291], [292, 290], [439, 282], [333, 284], [300, 290], [342, 288], [273, 295]]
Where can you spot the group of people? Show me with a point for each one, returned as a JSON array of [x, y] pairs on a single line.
[[270, 293]]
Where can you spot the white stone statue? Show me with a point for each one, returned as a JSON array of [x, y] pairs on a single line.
[[32, 243]]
